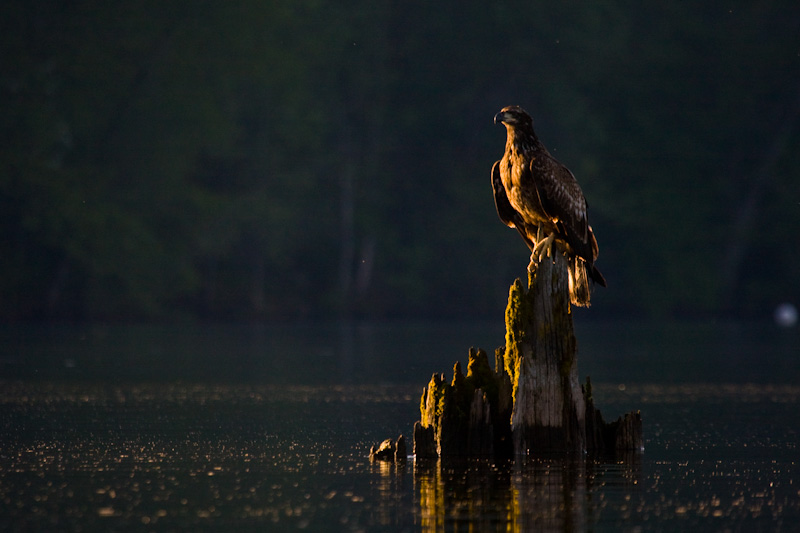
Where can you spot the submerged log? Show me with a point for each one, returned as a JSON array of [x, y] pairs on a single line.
[[533, 401]]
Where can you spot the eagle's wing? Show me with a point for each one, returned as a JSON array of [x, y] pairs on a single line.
[[508, 215], [504, 210], [563, 200]]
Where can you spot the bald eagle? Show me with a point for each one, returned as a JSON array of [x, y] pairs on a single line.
[[540, 197]]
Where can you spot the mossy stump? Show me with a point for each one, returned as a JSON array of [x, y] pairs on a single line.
[[467, 417], [541, 356], [533, 401]]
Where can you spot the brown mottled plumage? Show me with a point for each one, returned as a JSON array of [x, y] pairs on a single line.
[[540, 197]]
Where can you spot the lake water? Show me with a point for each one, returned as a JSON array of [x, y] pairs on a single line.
[[268, 428]]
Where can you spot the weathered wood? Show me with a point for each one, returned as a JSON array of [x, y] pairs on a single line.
[[549, 408], [425, 441], [469, 416], [389, 450], [622, 435], [533, 401], [628, 434]]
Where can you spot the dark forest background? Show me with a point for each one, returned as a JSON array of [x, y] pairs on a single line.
[[312, 159]]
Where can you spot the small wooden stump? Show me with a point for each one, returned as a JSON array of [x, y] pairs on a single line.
[[533, 401], [389, 451]]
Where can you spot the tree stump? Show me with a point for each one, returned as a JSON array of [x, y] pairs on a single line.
[[533, 401], [541, 356]]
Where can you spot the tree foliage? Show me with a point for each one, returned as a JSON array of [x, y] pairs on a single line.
[[313, 159]]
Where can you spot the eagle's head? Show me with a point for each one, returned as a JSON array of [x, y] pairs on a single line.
[[513, 116]]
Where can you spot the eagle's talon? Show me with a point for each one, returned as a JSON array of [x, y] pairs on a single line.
[[542, 249]]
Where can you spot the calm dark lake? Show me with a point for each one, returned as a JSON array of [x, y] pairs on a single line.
[[268, 428]]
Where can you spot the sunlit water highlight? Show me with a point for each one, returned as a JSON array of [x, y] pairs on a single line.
[[243, 457], [244, 428]]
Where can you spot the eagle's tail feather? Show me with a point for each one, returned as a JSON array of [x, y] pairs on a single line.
[[581, 277], [579, 289]]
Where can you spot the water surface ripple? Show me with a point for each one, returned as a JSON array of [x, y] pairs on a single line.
[[233, 457]]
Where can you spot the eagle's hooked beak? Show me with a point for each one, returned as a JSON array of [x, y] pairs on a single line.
[[499, 118]]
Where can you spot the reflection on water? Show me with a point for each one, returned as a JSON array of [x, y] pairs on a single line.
[[550, 494], [190, 457], [269, 429], [553, 494], [253, 458], [718, 458], [563, 494], [474, 494]]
